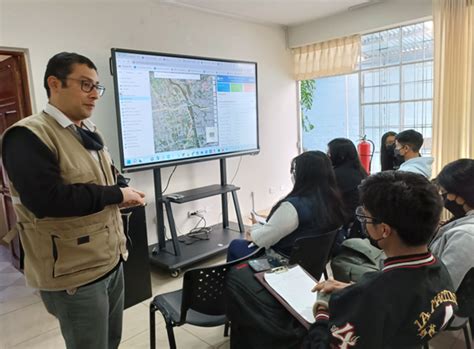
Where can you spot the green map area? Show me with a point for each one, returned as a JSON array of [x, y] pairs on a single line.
[[184, 113]]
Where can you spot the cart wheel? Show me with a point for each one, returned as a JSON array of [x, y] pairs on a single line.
[[175, 273]]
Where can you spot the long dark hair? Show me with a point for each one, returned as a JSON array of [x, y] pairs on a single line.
[[344, 152], [457, 177], [387, 157], [315, 180]]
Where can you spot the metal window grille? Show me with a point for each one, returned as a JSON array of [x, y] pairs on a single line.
[[396, 82]]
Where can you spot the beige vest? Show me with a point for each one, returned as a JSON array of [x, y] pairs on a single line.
[[64, 253]]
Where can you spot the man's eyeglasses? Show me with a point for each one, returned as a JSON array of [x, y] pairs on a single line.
[[88, 86]]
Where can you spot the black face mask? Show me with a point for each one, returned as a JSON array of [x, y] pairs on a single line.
[[399, 159], [90, 140], [390, 148], [373, 242], [389, 151], [453, 207]]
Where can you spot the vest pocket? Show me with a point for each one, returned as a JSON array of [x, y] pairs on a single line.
[[72, 255]]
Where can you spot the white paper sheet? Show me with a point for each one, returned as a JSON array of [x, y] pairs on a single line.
[[294, 286], [259, 219]]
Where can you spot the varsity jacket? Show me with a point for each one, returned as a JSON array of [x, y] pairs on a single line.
[[400, 307], [67, 252]]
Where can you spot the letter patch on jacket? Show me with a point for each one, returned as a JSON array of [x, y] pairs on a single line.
[[346, 336]]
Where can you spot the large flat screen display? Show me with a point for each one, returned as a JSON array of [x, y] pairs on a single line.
[[176, 109]]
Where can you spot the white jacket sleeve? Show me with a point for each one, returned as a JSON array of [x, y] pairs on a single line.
[[283, 222]]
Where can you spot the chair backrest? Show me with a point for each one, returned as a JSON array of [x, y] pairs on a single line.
[[465, 295], [312, 253], [203, 288]]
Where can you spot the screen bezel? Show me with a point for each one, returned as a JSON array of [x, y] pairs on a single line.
[[173, 162]]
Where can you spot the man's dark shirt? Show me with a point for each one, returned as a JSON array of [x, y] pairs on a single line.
[[35, 174]]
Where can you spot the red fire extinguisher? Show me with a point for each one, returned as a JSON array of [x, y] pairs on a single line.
[[365, 152]]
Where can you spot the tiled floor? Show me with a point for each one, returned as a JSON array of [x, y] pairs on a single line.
[[24, 322]]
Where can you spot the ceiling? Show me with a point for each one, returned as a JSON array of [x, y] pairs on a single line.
[[273, 12], [277, 12]]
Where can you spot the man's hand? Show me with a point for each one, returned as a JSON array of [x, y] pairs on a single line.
[[329, 286], [132, 197]]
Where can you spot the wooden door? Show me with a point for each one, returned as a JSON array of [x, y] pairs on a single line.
[[14, 105]]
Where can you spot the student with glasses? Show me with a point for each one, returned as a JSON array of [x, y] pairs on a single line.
[[66, 194], [412, 298]]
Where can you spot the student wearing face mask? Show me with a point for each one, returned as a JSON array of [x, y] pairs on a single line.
[[388, 161], [313, 204], [454, 241], [411, 298], [407, 149]]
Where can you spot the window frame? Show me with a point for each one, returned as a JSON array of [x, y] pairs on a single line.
[[400, 101]]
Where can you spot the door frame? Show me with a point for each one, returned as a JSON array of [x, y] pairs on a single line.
[[29, 107], [23, 55]]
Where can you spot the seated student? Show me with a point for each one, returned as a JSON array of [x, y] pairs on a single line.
[[349, 172], [412, 297], [313, 203], [454, 241], [387, 157], [407, 148]]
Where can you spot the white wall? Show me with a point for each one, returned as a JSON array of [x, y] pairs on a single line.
[[382, 15], [91, 29]]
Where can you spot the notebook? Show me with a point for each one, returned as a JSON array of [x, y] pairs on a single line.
[[292, 288]]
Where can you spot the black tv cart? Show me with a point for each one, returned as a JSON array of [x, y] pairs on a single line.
[[172, 255]]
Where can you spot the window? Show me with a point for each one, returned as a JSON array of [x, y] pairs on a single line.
[[391, 91]]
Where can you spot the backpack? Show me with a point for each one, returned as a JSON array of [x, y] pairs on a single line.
[[355, 258], [257, 319]]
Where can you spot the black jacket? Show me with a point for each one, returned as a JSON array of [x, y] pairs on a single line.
[[348, 179], [402, 306]]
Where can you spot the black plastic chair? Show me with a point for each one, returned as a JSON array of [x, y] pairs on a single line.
[[200, 302], [465, 298], [313, 253]]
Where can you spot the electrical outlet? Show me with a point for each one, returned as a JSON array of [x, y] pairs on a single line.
[[197, 212]]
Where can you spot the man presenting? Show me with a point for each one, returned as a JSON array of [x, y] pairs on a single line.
[[66, 197]]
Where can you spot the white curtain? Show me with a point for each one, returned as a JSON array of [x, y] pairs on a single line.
[[453, 110], [333, 57]]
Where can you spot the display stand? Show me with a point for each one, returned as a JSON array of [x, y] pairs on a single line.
[[173, 255]]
